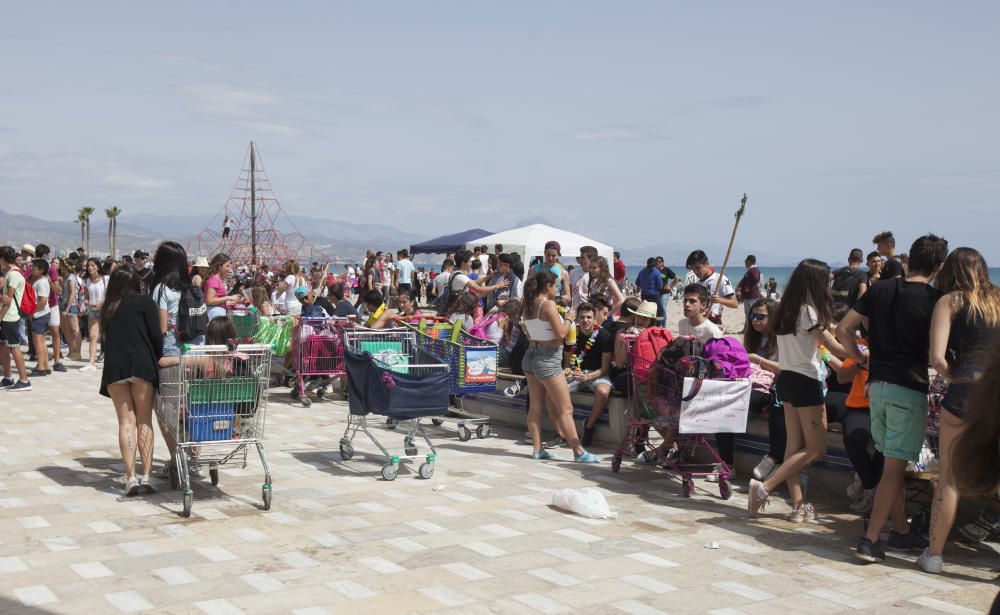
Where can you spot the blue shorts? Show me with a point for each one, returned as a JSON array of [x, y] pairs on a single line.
[[542, 362], [40, 324]]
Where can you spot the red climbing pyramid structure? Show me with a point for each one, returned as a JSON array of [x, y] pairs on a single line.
[[259, 231]]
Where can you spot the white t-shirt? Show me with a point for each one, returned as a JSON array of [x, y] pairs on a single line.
[[14, 280], [799, 353], [726, 290], [485, 260], [406, 269], [95, 291], [707, 330], [287, 298], [42, 289]]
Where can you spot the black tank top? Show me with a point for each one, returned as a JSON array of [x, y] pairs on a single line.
[[970, 336]]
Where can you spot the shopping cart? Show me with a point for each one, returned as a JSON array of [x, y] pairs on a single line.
[[473, 367], [247, 322], [318, 356], [685, 409], [214, 404], [390, 375]]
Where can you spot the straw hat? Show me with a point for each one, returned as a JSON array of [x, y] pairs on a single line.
[[28, 249], [201, 261], [646, 309]]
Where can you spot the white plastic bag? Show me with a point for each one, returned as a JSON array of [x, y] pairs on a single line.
[[586, 502]]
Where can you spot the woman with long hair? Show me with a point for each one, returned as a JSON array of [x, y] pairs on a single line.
[[602, 284], [762, 349], [96, 285], [964, 325], [288, 286], [217, 297], [800, 327], [542, 364], [69, 307], [133, 347], [261, 300]]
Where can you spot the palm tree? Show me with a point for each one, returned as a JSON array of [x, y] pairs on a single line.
[[85, 213], [112, 214], [82, 221]]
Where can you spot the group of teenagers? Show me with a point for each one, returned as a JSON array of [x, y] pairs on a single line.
[[855, 346]]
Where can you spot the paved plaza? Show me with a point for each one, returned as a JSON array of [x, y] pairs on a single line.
[[479, 537]]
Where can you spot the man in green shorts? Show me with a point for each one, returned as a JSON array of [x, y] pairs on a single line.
[[897, 314]]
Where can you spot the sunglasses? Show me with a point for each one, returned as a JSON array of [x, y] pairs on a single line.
[[755, 317]]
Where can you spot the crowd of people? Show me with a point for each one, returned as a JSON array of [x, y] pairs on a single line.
[[856, 346]]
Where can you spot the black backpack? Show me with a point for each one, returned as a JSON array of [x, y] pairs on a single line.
[[441, 301], [192, 315], [682, 346], [845, 285]]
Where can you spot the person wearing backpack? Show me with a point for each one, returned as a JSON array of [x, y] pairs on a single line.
[[850, 282], [182, 309], [11, 300]]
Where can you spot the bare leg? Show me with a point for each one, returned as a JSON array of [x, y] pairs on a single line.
[[94, 325], [56, 346], [601, 397], [536, 394], [557, 390], [5, 359], [121, 397], [805, 430], [142, 395], [945, 496], [42, 364], [888, 500]]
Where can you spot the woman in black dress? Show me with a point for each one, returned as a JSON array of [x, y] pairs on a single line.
[[133, 344]]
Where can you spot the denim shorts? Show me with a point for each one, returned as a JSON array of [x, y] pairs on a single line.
[[542, 362], [588, 385], [899, 420], [40, 324]]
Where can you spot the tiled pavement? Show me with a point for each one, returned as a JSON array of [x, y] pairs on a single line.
[[477, 538]]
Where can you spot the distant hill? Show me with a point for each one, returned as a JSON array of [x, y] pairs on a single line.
[[336, 238]]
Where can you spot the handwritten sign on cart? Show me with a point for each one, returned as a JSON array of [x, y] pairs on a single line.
[[720, 406]]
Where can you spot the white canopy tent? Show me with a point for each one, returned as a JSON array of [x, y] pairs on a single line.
[[529, 242]]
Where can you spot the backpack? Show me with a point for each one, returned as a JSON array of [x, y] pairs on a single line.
[[683, 346], [730, 355], [845, 285], [647, 349], [28, 302], [441, 301], [192, 315]]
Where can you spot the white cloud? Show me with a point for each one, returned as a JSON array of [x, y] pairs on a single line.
[[616, 133], [249, 108]]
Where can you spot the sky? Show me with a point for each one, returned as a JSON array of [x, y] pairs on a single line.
[[639, 123]]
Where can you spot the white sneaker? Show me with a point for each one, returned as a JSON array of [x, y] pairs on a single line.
[[717, 470], [764, 469], [855, 489], [864, 503], [930, 563], [88, 368]]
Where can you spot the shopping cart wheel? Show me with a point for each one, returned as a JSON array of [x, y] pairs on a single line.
[[213, 475], [483, 431], [426, 470], [346, 451], [306, 402], [389, 472], [687, 487], [188, 503], [265, 493], [437, 422], [616, 462], [464, 434], [725, 489]]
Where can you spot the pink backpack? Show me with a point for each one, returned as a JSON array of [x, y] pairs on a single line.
[[730, 355]]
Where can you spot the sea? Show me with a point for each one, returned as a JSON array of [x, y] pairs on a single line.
[[780, 274]]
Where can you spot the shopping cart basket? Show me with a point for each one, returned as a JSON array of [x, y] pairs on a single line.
[[389, 374], [247, 322], [684, 408], [473, 368], [318, 355], [214, 404]]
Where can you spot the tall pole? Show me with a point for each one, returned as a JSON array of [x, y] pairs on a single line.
[[253, 208]]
